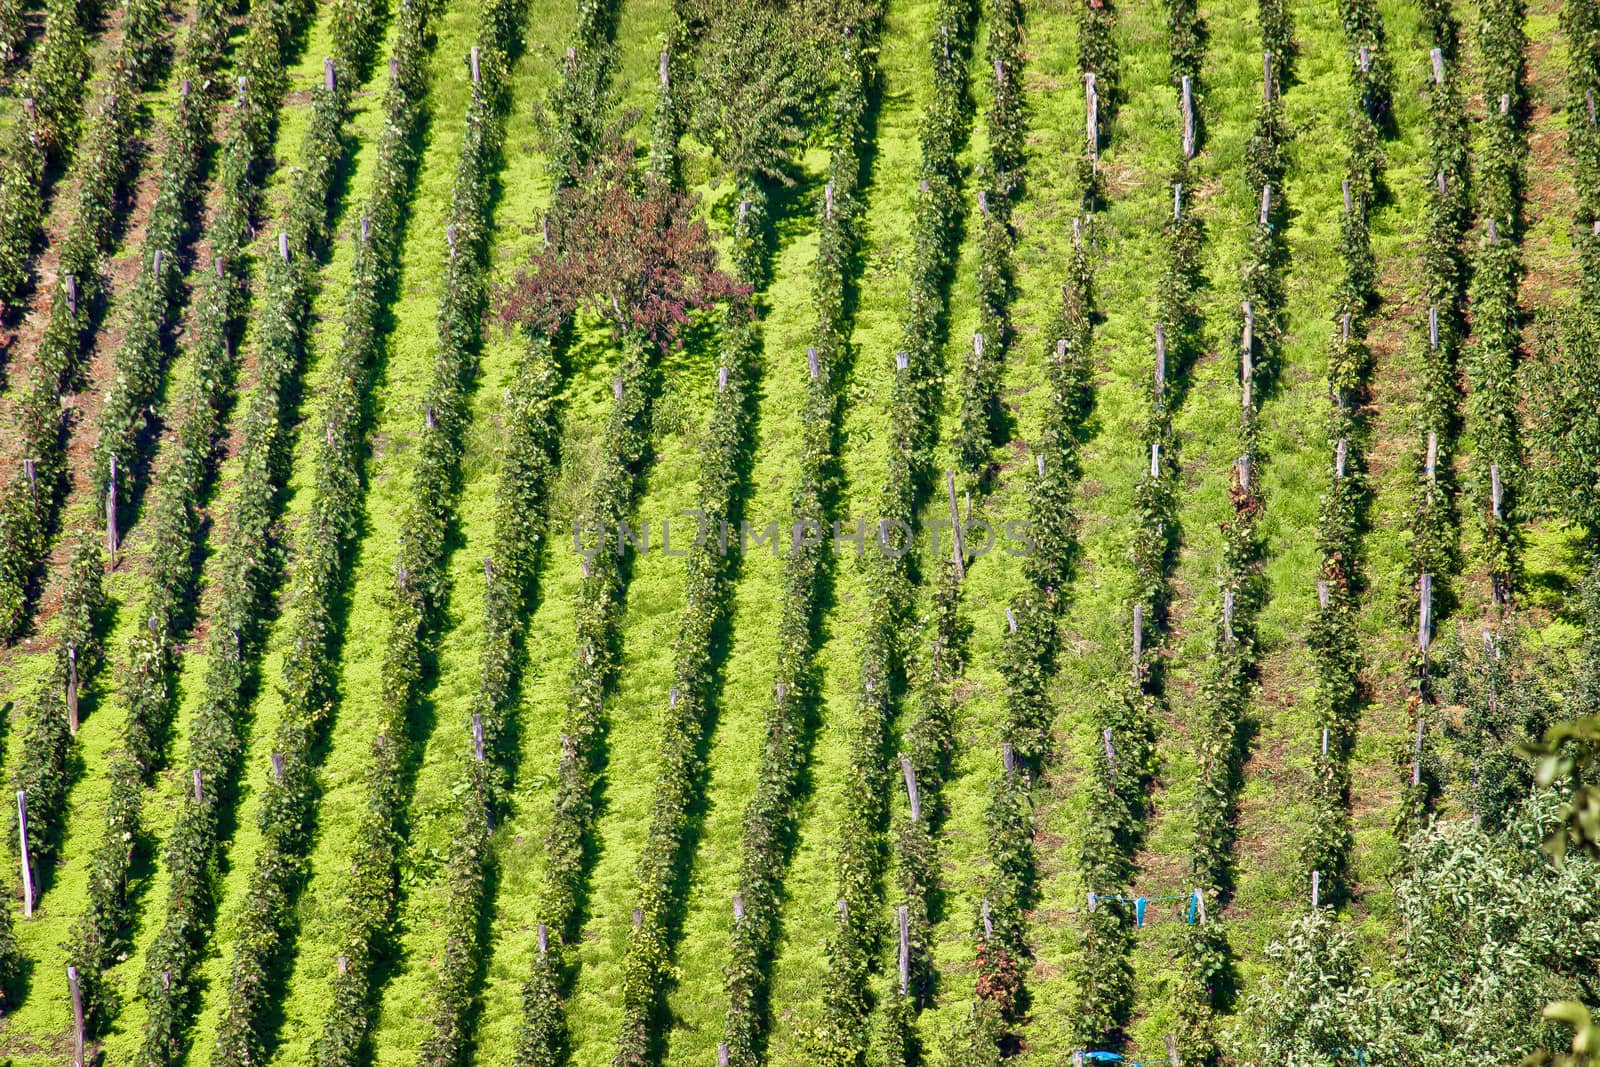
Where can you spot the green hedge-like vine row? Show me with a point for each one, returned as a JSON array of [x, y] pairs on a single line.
[[29, 505], [46, 764], [148, 682], [542, 1038], [44, 141], [928, 735], [421, 579], [288, 812], [1132, 707], [1228, 677], [982, 417], [1341, 525], [1497, 275], [1447, 270], [647, 966], [764, 851], [530, 461], [929, 732], [1029, 662], [250, 559]]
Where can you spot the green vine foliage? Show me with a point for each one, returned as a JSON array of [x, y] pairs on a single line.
[[47, 769], [45, 140], [648, 964], [764, 851], [436, 479], [148, 684], [1029, 661], [1565, 441], [983, 418], [370, 891], [1492, 369], [13, 32], [29, 506], [320, 575], [1447, 269], [1098, 53], [1341, 522]]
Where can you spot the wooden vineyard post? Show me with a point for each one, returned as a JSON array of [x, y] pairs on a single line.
[[1227, 615], [328, 79], [22, 852], [1172, 1053], [1436, 57], [811, 362], [1341, 455], [1316, 889], [912, 797], [477, 737], [904, 922], [1111, 752], [1247, 371], [722, 1054], [72, 689], [1161, 362], [1091, 97], [1433, 455], [111, 516], [1266, 77], [474, 61], [77, 1016], [1433, 324], [1138, 639], [1199, 906], [1425, 615], [959, 549], [1322, 593], [1188, 118]]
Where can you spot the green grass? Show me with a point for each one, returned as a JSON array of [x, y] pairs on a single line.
[[1130, 256]]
